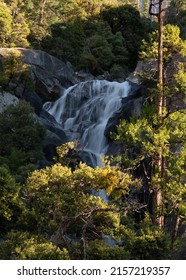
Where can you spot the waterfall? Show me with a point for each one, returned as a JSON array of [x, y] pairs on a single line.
[[84, 110]]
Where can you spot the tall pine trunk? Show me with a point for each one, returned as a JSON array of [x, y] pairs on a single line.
[[158, 215], [160, 60]]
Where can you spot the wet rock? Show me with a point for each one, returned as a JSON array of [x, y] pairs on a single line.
[[50, 124], [131, 106]]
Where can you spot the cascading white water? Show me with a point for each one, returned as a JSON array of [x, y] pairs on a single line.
[[84, 110]]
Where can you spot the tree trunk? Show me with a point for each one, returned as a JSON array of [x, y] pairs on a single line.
[[160, 103], [158, 216], [176, 228], [160, 59], [158, 208]]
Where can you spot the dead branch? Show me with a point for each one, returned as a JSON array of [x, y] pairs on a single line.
[[151, 5]]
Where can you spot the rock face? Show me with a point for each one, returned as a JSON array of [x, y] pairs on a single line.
[[143, 68], [49, 74], [7, 99]]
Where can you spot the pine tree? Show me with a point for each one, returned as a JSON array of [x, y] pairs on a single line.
[[157, 138]]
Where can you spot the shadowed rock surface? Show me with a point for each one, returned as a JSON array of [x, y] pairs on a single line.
[[49, 74], [7, 99]]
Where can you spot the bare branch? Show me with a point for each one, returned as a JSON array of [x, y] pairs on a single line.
[[151, 5], [86, 217]]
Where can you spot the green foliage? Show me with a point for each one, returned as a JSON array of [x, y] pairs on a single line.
[[85, 44], [24, 246], [40, 15], [5, 24], [69, 191], [126, 19], [107, 50], [14, 29], [72, 42], [58, 202], [171, 43], [179, 250], [18, 163], [99, 250], [143, 139], [150, 242], [180, 78], [20, 139], [62, 152], [19, 129], [102, 42], [100, 50], [14, 70], [118, 71], [9, 190], [20, 28], [119, 49], [176, 15]]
